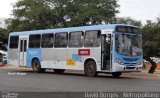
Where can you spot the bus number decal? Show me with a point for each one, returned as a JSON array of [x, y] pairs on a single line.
[[84, 52]]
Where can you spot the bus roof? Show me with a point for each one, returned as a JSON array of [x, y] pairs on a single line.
[[70, 29]]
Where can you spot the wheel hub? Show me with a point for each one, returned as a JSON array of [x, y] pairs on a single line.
[[90, 69]]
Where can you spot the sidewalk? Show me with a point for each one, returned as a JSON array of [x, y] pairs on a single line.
[[5, 66], [143, 75], [1, 64]]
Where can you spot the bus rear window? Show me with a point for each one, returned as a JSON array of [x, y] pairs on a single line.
[[14, 42], [127, 29]]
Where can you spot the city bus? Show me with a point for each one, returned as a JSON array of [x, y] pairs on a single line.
[[112, 48]]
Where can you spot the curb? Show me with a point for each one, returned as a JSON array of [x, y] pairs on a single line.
[[5, 66], [1, 64]]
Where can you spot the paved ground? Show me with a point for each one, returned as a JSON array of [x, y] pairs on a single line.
[[24, 80]]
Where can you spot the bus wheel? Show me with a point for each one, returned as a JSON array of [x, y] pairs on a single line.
[[37, 67], [90, 69], [59, 71], [116, 74]]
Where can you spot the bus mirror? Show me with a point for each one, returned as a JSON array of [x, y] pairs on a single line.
[[108, 38]]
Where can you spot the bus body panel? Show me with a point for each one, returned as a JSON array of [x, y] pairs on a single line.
[[13, 57], [53, 57], [68, 59]]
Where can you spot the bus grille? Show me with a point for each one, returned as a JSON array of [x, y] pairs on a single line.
[[131, 59], [130, 67]]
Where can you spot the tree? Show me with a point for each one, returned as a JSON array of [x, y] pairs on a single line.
[[3, 35], [151, 42], [126, 20], [44, 14]]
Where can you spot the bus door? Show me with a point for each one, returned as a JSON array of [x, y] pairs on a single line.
[[106, 52], [22, 52]]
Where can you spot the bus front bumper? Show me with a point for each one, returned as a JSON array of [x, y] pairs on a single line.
[[124, 68]]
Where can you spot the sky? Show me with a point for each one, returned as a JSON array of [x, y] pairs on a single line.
[[137, 9], [140, 9], [6, 8]]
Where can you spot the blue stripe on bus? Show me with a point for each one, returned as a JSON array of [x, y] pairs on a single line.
[[70, 29], [33, 53]]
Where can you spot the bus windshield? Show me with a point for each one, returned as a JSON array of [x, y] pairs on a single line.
[[129, 44]]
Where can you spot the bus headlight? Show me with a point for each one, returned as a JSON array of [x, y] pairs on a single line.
[[118, 61], [141, 62]]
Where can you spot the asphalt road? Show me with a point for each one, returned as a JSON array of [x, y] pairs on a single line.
[[27, 81]]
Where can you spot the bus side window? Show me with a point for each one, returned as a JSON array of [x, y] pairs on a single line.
[[61, 40], [34, 41], [47, 40], [92, 38], [14, 42], [76, 39]]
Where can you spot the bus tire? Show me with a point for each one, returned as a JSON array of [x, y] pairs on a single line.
[[59, 71], [116, 74], [90, 69], [37, 67]]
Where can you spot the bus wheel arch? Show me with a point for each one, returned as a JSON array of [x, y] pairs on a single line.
[[90, 67], [36, 66]]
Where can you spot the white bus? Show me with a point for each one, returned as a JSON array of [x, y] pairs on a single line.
[[113, 48]]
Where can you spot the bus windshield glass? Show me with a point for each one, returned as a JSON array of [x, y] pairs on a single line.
[[128, 29], [129, 44]]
